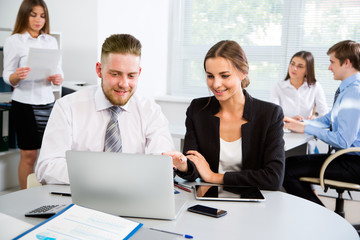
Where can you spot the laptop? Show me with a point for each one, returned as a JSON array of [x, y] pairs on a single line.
[[129, 185]]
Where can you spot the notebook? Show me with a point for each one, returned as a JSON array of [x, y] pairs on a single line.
[[130, 185]]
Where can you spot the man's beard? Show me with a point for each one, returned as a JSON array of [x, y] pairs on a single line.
[[115, 100]]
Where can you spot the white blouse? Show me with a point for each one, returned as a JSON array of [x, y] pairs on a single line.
[[230, 156], [16, 51], [299, 101]]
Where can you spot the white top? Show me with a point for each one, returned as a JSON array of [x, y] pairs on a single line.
[[78, 121], [299, 101], [16, 50], [230, 156]]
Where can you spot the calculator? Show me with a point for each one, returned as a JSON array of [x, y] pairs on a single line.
[[45, 211]]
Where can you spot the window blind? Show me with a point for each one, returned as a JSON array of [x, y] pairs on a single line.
[[270, 32]]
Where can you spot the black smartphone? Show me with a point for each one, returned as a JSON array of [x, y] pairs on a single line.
[[208, 211]]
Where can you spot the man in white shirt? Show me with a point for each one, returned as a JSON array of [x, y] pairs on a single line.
[[79, 120]]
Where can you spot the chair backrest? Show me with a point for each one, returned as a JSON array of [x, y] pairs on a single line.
[[331, 158], [32, 181]]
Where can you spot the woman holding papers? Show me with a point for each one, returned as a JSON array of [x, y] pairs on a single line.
[[232, 138], [33, 98], [299, 95]]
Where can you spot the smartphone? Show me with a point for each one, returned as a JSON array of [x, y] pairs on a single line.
[[208, 211]]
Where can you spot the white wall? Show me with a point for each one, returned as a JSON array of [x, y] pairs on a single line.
[[148, 22]]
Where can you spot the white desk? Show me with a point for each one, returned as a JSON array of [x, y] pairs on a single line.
[[281, 216], [293, 140]]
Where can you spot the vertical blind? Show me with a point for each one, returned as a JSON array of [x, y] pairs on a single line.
[[270, 32]]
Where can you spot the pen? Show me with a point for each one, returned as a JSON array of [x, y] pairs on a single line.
[[61, 194], [182, 188], [178, 234]]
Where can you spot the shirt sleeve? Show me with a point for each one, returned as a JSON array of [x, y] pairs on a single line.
[[158, 137], [11, 59], [51, 167], [275, 96], [346, 125], [320, 101]]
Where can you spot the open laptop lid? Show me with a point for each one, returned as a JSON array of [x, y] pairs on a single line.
[[134, 185], [228, 193]]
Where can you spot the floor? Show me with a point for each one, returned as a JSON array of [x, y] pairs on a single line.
[[351, 207]]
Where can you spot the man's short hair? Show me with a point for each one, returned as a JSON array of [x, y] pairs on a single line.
[[120, 43], [347, 49]]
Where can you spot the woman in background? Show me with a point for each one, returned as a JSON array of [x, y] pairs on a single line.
[[32, 98], [299, 95], [232, 138]]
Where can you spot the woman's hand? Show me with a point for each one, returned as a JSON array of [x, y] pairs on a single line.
[[22, 73], [19, 74], [203, 168], [56, 79], [299, 118], [179, 160]]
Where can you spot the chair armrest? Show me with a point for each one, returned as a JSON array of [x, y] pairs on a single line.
[[331, 158]]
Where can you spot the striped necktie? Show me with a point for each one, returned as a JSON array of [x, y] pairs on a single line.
[[112, 136], [336, 95]]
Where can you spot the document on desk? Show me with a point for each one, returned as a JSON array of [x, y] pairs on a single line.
[[76, 222], [42, 62], [12, 226]]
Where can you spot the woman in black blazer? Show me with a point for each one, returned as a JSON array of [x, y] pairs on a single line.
[[232, 138]]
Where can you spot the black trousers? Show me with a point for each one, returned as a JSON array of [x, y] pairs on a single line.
[[345, 168]]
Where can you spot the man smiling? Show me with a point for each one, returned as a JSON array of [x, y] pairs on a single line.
[[81, 121]]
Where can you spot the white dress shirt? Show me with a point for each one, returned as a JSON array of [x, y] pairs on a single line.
[[16, 51], [299, 101], [230, 156], [78, 122]]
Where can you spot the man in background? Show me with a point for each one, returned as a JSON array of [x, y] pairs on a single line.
[[339, 128]]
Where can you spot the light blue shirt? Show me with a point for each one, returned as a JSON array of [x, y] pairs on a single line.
[[345, 117]]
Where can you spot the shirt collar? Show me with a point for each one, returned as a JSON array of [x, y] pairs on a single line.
[[348, 81], [26, 36], [102, 103], [287, 84]]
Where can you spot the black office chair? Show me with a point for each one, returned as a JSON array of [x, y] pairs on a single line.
[[339, 186]]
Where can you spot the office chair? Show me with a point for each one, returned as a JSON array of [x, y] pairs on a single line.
[[32, 181], [339, 186]]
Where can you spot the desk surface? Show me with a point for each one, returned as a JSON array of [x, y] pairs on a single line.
[[293, 140], [281, 216]]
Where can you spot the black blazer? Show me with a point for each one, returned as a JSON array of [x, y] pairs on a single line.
[[263, 156]]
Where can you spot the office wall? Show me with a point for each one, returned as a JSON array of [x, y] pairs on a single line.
[[147, 21]]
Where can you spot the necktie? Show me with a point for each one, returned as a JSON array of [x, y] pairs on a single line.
[[112, 136], [335, 98], [336, 95]]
